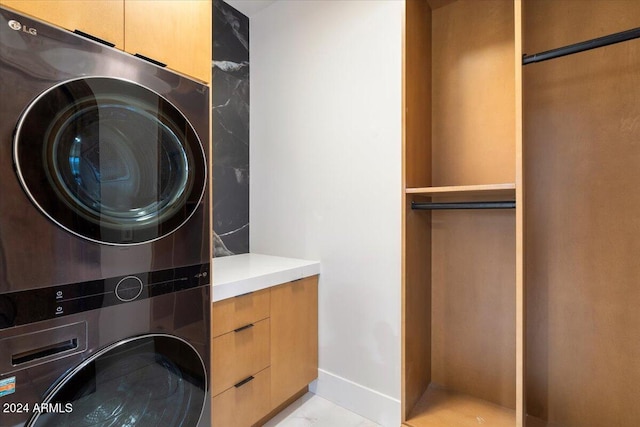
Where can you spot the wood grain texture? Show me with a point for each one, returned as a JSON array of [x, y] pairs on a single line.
[[101, 18], [416, 235], [440, 408], [501, 190], [473, 307], [245, 405], [294, 337], [417, 94], [416, 307], [237, 355], [233, 313], [572, 21], [473, 93], [582, 145], [459, 268], [175, 32], [520, 194], [439, 3]]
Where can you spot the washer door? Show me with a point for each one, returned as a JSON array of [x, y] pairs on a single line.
[[110, 161], [147, 381]]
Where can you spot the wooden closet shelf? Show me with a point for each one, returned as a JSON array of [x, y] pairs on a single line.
[[439, 408], [501, 190]]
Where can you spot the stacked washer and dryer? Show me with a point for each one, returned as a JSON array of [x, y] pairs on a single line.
[[104, 235]]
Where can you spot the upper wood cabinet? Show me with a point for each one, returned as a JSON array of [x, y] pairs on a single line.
[[100, 18], [175, 33]]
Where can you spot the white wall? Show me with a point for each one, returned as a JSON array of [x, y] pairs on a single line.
[[325, 165]]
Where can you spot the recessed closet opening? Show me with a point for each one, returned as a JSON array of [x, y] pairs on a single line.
[[459, 304], [582, 234]]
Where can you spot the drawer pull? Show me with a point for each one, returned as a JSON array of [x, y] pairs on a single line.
[[244, 381], [242, 328]]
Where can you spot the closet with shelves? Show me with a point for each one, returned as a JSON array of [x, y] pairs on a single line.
[[508, 322], [460, 187]]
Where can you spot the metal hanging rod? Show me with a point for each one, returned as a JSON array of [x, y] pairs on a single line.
[[462, 205], [582, 46]]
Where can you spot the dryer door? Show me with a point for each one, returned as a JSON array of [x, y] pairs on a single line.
[[110, 161], [147, 381]]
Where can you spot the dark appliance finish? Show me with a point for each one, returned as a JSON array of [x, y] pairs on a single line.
[[143, 363], [103, 161], [104, 235]]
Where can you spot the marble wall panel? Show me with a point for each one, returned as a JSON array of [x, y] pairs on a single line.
[[230, 130]]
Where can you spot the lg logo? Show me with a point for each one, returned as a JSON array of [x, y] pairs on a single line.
[[15, 25]]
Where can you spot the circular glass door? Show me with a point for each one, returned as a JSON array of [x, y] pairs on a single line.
[[147, 381], [110, 161]]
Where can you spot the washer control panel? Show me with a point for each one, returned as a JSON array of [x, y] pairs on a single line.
[[129, 288], [47, 303]]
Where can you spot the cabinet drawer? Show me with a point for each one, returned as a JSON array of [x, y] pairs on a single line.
[[239, 354], [232, 313], [244, 405]]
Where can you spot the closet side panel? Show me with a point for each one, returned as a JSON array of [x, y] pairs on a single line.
[[582, 172], [416, 255], [417, 308], [417, 94]]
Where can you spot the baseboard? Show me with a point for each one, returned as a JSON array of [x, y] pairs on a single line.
[[373, 405]]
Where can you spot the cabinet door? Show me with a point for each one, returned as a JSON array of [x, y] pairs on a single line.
[[176, 33], [100, 18], [294, 337]]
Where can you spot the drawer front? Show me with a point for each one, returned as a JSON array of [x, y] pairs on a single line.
[[232, 313], [244, 405], [240, 354]]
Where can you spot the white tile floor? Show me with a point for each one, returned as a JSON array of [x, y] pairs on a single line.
[[312, 410]]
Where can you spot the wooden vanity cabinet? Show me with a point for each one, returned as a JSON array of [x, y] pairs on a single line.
[[264, 351], [175, 33]]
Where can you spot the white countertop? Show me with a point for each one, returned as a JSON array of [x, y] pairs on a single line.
[[238, 274]]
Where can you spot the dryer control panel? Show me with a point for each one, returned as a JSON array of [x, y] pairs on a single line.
[[20, 308]]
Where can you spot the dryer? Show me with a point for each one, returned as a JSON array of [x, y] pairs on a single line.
[[104, 233], [103, 160]]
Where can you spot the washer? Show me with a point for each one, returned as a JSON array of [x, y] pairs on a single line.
[[104, 234], [143, 363]]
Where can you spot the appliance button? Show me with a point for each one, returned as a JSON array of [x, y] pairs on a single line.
[[129, 288]]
